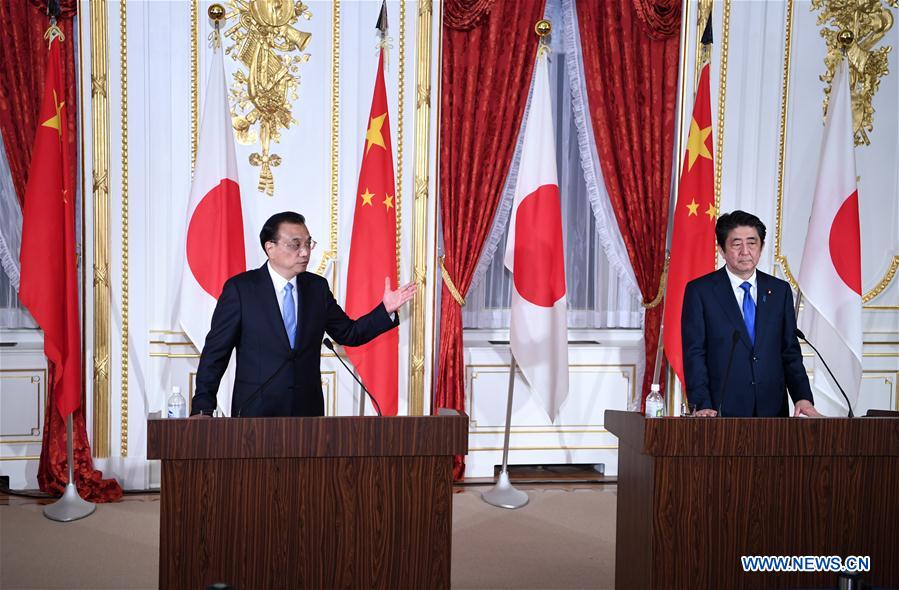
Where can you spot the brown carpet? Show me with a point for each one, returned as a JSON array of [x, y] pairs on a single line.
[[564, 538]]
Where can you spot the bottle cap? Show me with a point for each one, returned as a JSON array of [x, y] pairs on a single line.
[[176, 389], [654, 387]]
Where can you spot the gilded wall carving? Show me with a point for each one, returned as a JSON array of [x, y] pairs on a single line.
[[271, 48], [868, 22]]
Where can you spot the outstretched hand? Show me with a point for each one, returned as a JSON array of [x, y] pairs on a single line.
[[393, 300]]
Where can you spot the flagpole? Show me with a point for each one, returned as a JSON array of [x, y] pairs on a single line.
[[503, 494], [70, 506]]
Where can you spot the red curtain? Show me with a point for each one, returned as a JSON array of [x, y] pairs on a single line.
[[486, 72], [23, 53], [630, 50]]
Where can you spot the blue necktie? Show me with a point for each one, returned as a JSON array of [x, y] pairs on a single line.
[[289, 314], [748, 310]]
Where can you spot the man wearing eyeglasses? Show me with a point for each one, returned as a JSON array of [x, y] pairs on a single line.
[[276, 316]]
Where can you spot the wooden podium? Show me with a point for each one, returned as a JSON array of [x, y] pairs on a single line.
[[695, 494], [344, 502]]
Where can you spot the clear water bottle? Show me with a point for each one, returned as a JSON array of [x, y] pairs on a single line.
[[177, 407], [655, 403]]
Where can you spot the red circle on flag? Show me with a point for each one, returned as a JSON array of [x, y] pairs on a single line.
[[215, 250], [539, 264], [845, 244]]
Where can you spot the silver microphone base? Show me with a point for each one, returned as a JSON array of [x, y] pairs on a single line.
[[69, 507], [504, 495]]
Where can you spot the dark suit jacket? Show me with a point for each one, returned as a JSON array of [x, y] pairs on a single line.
[[247, 317], [760, 375]]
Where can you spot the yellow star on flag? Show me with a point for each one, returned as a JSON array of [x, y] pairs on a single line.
[[54, 121], [373, 135], [711, 212], [696, 143], [693, 206], [388, 202], [366, 197]]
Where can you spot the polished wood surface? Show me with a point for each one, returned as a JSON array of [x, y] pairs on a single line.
[[703, 492], [346, 436], [307, 502]]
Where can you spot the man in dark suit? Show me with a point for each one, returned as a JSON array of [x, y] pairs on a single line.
[[740, 308], [276, 317]]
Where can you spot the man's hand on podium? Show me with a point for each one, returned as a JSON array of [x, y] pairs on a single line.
[[199, 416], [805, 408], [706, 413]]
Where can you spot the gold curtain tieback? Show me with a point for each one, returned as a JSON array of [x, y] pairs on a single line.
[[449, 284], [663, 282]]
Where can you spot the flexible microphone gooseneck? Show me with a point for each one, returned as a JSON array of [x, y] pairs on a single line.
[[330, 346], [802, 337], [290, 356], [730, 359]]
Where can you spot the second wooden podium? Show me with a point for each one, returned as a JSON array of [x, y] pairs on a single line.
[[340, 502]]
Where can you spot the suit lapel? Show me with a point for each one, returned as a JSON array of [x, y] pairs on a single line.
[[725, 295], [762, 305], [302, 310], [270, 308]]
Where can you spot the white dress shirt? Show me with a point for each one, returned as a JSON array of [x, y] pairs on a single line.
[[279, 283], [735, 283]]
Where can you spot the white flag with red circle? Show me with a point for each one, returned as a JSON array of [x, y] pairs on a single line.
[[535, 256], [830, 274], [214, 242]]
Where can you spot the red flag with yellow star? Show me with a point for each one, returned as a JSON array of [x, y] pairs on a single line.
[[693, 238], [373, 252], [49, 289], [49, 280]]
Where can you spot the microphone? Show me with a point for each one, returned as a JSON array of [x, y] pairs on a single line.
[[330, 346], [800, 335], [290, 356], [730, 359]]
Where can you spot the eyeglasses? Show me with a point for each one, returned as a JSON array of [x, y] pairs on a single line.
[[296, 245]]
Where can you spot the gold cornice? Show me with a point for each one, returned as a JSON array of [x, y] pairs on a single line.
[[99, 39], [420, 219], [123, 69]]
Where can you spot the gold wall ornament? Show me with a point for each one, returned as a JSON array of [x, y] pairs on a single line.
[[867, 22], [272, 49]]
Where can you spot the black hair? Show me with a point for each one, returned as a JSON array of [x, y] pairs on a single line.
[[270, 230], [735, 219]]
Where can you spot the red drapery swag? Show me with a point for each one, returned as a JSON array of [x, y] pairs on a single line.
[[630, 52], [486, 72], [23, 53]]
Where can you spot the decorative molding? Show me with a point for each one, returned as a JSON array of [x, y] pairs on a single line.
[[420, 215], [194, 81], [722, 100], [331, 253], [99, 41], [400, 129], [782, 144], [123, 69]]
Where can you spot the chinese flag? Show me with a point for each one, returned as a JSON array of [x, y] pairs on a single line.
[[693, 238], [373, 252], [49, 281], [49, 289]]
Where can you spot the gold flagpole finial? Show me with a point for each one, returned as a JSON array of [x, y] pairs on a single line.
[[216, 14], [543, 28]]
